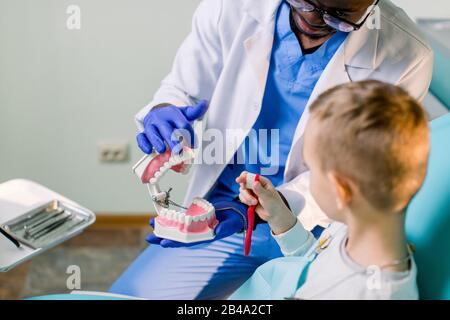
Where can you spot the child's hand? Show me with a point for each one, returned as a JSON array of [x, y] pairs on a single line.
[[269, 204], [263, 191]]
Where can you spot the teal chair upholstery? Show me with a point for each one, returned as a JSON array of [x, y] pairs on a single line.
[[440, 85], [428, 218], [87, 295]]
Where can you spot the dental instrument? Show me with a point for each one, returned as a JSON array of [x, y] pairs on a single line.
[[36, 217], [9, 237], [55, 224], [38, 228], [42, 221], [60, 231]]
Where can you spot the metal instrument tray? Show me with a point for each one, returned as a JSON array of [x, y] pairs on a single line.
[[49, 224]]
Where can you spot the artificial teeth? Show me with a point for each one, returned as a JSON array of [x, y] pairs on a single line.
[[188, 219], [153, 181], [203, 205]]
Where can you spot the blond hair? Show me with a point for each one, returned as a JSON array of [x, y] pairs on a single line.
[[377, 135]]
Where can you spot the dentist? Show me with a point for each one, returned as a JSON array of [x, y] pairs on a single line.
[[260, 63]]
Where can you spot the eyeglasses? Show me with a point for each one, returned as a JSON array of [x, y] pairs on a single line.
[[332, 19]]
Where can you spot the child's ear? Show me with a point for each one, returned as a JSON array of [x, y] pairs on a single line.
[[342, 188]]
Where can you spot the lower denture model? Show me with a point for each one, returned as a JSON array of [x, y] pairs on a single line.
[[193, 224]]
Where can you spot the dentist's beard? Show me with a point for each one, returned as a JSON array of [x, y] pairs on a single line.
[[327, 31]]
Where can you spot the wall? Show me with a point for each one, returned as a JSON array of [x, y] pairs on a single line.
[[425, 9], [62, 92]]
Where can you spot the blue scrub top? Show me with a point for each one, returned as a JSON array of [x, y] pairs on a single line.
[[291, 79]]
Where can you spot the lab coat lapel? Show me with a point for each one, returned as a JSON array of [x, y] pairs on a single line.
[[258, 47]]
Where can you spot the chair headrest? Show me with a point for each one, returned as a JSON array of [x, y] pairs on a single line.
[[428, 218]]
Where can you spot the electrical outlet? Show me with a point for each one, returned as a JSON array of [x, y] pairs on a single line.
[[113, 152]]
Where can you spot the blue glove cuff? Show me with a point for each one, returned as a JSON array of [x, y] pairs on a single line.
[[237, 207]]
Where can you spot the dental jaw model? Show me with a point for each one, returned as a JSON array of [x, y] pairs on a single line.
[[193, 224]]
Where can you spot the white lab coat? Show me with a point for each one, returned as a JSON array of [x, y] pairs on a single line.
[[225, 60]]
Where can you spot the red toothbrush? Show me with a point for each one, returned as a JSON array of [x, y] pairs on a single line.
[[251, 223]]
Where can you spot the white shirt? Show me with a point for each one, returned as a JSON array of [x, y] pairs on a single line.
[[333, 275]]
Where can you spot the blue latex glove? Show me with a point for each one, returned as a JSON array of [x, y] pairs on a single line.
[[161, 123], [232, 217]]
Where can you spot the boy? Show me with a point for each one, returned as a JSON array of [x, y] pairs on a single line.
[[366, 146]]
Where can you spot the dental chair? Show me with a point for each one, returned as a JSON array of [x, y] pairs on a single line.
[[428, 218]]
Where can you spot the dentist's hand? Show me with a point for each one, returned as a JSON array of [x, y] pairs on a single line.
[[160, 124], [232, 217]]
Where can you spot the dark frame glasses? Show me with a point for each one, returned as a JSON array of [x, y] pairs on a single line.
[[328, 16]]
